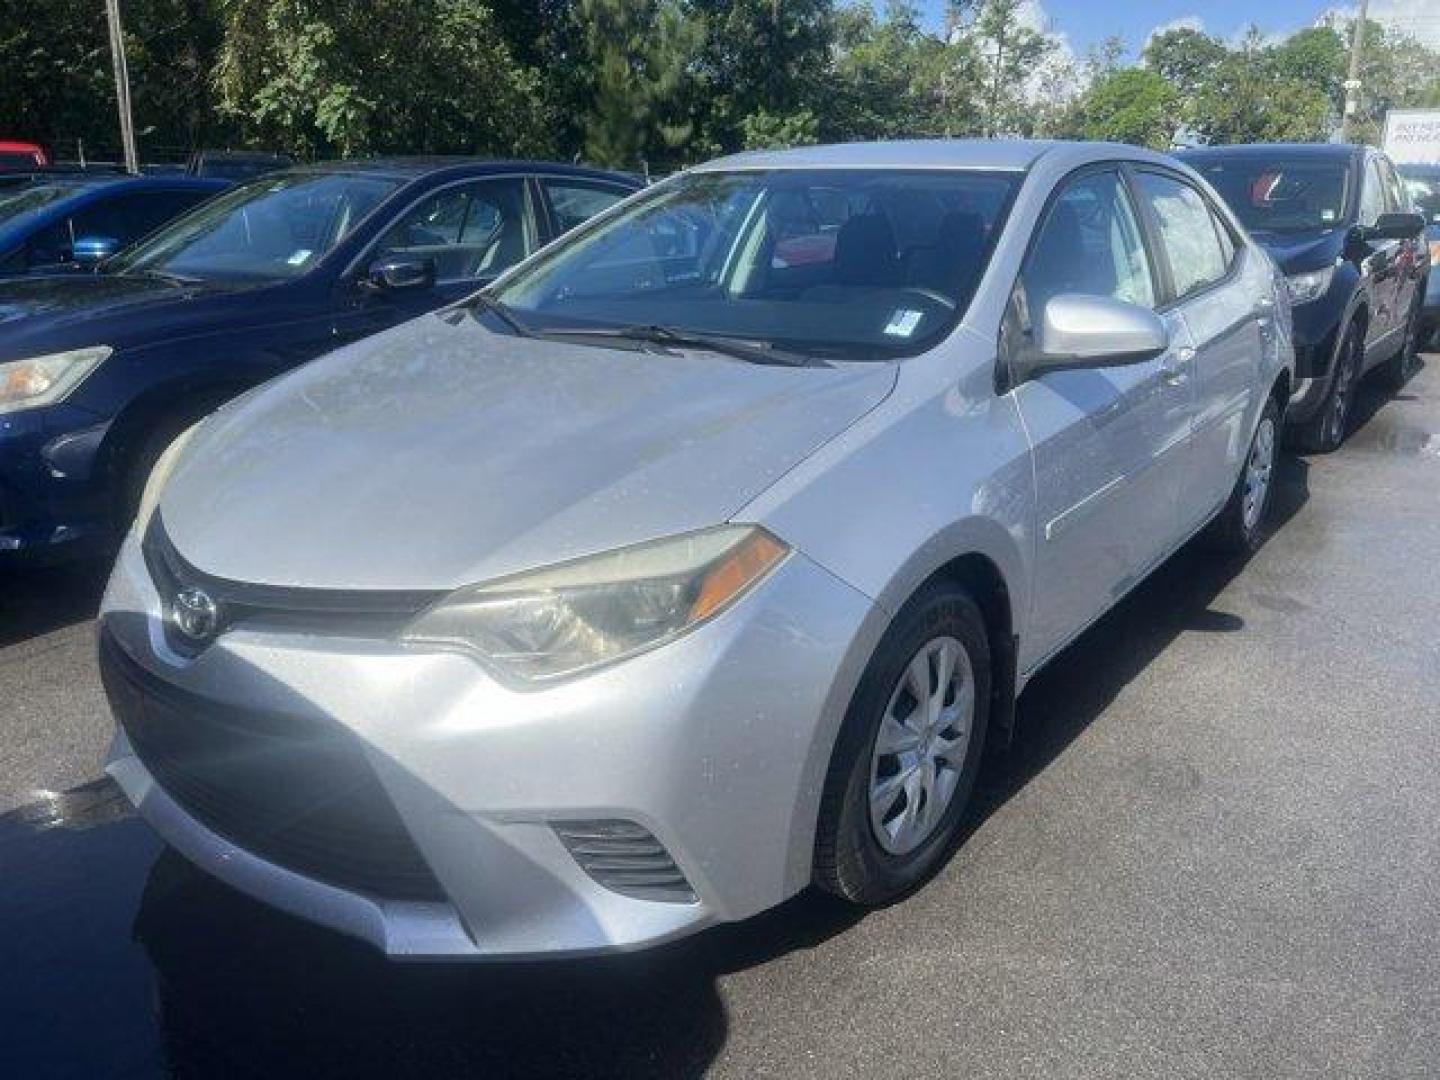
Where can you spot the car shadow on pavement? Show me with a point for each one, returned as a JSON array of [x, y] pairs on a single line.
[[38, 600], [1075, 688], [228, 969]]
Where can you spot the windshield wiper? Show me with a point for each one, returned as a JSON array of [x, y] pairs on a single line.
[[668, 335], [503, 312]]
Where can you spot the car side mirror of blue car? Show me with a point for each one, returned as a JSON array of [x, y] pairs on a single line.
[[90, 251], [1083, 331], [1395, 227], [398, 273]]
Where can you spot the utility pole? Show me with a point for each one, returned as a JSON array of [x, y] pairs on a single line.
[[1352, 84], [122, 85]]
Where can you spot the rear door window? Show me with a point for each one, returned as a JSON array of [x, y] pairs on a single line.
[[1188, 233], [574, 202], [1372, 195]]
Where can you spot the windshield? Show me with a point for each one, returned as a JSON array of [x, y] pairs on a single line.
[[1279, 195], [854, 263], [267, 230], [1423, 184], [16, 204]]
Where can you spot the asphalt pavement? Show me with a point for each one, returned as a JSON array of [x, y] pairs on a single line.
[[1213, 851]]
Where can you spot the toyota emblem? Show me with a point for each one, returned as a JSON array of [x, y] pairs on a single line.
[[195, 614]]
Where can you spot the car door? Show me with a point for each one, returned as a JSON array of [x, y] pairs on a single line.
[[1225, 312], [1409, 254], [471, 231], [1108, 443], [1379, 265]]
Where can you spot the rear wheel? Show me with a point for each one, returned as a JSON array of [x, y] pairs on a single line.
[[1326, 430], [1239, 526], [908, 752], [1402, 366]]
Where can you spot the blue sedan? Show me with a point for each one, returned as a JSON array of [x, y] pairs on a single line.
[[79, 218], [99, 372]]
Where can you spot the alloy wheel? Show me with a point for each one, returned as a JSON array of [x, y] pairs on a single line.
[[1342, 392], [1258, 472], [921, 746]]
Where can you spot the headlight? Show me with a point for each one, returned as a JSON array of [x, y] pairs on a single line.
[[1310, 285], [164, 466], [571, 618], [44, 380]]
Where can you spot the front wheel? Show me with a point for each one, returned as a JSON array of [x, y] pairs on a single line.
[[1239, 526], [1326, 430], [908, 752]]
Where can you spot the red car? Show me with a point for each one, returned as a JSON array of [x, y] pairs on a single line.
[[22, 155]]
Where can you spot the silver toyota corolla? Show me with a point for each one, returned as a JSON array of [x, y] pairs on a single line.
[[697, 560]]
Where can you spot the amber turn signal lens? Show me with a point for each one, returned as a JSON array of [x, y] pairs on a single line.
[[729, 577]]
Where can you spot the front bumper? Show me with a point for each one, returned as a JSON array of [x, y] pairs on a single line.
[[52, 498], [717, 744]]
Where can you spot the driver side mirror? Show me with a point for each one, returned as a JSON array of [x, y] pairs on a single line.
[[89, 251], [399, 274], [1082, 331], [1395, 227]]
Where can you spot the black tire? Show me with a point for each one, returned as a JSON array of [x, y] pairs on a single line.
[[850, 860], [1240, 527], [1401, 367], [1324, 432]]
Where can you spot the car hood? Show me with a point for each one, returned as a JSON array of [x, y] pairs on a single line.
[[65, 310], [1297, 252], [440, 453]]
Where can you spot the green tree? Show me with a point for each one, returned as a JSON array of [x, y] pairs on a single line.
[[1010, 53], [1131, 105], [1248, 97], [640, 54], [769, 56], [766, 131], [58, 85], [894, 79], [1397, 72], [328, 76], [1185, 58]]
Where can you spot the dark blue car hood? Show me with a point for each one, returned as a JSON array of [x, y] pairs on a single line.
[[1296, 252], [68, 311]]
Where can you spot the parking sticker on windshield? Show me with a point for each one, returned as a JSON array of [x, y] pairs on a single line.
[[904, 322]]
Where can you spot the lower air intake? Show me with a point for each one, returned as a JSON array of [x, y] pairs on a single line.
[[627, 859]]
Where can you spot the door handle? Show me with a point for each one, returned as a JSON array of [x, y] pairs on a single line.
[[1175, 365]]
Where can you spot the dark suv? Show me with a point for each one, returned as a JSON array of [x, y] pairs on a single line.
[[1339, 223]]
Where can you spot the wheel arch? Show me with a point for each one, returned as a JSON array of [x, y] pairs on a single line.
[[183, 400], [991, 572]]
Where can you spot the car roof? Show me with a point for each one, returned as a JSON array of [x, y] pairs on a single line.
[[1337, 151], [83, 181], [412, 168], [1418, 168], [1003, 155]]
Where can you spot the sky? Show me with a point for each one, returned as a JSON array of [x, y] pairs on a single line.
[[1086, 23]]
